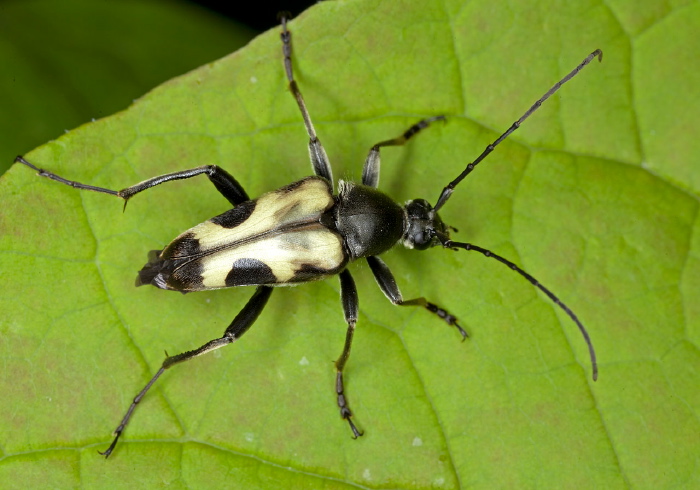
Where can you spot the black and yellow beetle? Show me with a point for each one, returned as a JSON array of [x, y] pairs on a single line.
[[304, 232]]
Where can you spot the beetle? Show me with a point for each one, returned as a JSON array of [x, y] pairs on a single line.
[[304, 232]]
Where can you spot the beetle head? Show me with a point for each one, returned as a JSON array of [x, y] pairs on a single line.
[[424, 228]]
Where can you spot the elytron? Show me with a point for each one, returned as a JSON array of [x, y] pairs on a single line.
[[304, 232]]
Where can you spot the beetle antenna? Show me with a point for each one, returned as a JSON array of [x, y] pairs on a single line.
[[447, 191], [447, 243]]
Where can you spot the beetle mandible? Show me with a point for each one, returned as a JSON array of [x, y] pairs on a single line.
[[304, 232]]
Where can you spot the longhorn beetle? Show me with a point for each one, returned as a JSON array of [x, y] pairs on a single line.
[[304, 232]]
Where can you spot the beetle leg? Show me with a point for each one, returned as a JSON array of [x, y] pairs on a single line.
[[387, 284], [319, 159], [348, 295], [50, 175], [224, 182], [370, 172], [245, 318]]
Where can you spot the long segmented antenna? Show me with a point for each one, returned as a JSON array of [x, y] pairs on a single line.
[[447, 243], [447, 191]]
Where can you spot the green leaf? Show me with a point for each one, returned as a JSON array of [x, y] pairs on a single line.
[[595, 196]]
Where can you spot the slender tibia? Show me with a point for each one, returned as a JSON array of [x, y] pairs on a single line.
[[245, 318], [348, 296], [224, 182], [319, 159], [370, 171], [387, 283]]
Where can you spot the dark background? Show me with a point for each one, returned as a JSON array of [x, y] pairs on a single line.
[[257, 15]]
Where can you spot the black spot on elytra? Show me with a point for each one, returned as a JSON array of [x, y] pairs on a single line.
[[187, 277], [175, 268], [246, 272], [182, 247], [236, 216], [308, 272], [172, 275]]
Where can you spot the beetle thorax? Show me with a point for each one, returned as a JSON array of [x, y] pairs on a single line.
[[369, 220]]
